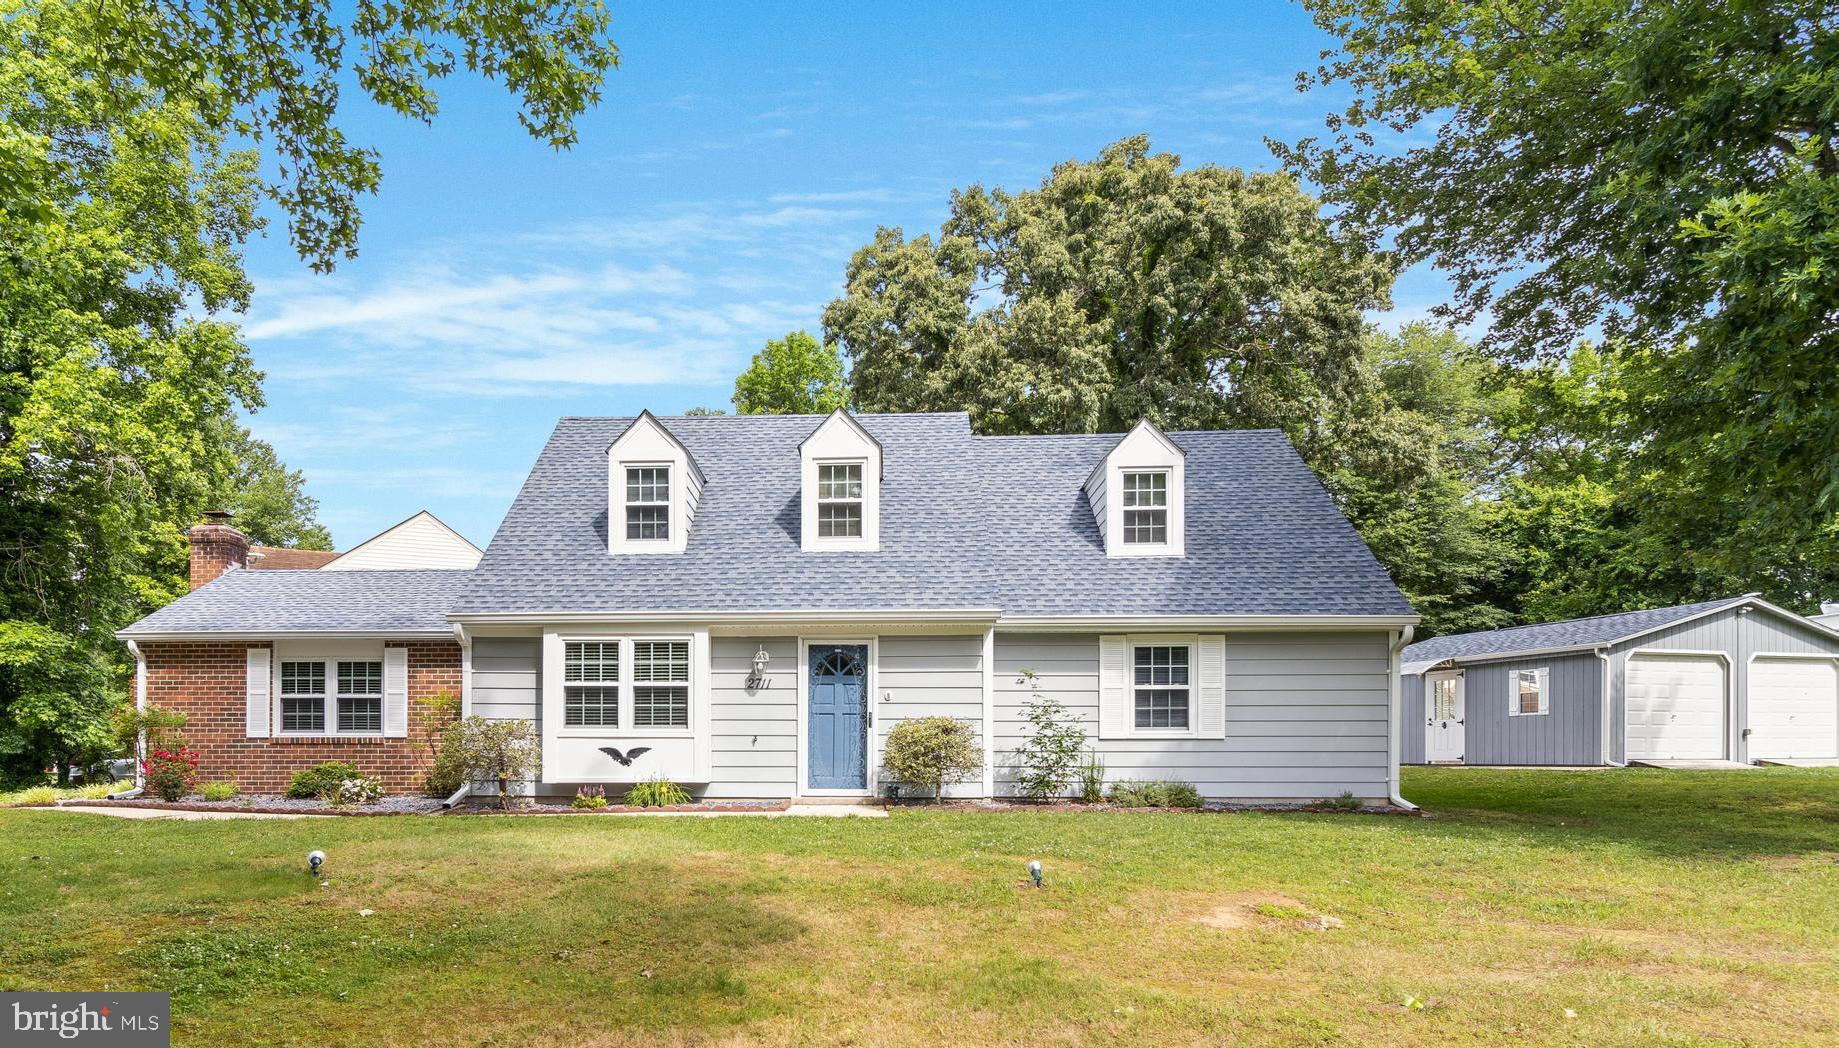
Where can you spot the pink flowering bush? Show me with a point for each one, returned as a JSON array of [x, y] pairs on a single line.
[[170, 774]]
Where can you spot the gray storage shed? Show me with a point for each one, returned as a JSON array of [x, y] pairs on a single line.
[[1736, 679]]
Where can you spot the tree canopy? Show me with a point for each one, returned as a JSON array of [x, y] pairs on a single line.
[[794, 375], [275, 71], [1121, 288], [1664, 174]]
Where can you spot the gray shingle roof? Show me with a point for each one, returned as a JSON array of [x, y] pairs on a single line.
[[1598, 629], [309, 600], [967, 522]]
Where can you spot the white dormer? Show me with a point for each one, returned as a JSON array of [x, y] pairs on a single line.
[[839, 468], [1138, 494], [653, 487]]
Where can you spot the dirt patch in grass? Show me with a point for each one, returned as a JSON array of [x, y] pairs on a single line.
[[1261, 910]]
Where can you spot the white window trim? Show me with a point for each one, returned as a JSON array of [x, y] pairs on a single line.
[[860, 501], [1188, 641], [328, 663], [627, 667], [1543, 675], [669, 504]]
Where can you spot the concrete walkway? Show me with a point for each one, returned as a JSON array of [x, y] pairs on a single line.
[[1803, 762], [1694, 765]]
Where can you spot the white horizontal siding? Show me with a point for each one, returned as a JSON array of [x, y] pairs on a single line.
[[507, 679], [1306, 715], [754, 730], [419, 542], [929, 676]]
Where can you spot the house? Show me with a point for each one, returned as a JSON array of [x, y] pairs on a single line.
[[1737, 679], [755, 602]]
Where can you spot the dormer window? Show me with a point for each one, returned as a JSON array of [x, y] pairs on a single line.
[[648, 503], [839, 470], [839, 500], [653, 489], [1146, 507], [1137, 497]]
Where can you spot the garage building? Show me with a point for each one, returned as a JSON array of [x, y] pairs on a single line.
[[1737, 679]]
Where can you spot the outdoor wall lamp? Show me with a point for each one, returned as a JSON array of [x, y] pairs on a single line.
[[760, 659]]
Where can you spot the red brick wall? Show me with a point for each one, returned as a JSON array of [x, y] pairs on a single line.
[[205, 682]]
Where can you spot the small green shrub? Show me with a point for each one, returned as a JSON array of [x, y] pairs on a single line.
[[1346, 802], [1137, 793], [34, 795], [501, 754], [1091, 773], [657, 792], [321, 780], [221, 790], [1047, 762], [931, 752], [589, 797], [48, 794], [447, 772]]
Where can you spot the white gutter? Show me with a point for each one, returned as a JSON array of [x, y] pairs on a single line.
[[791, 616], [1400, 639], [140, 706], [201, 636], [1089, 623]]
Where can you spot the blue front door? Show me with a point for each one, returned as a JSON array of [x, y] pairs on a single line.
[[838, 731]]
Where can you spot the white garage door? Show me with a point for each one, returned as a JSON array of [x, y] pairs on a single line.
[[1675, 707], [1794, 708]]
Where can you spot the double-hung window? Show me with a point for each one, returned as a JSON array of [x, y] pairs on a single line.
[[590, 684], [1161, 692], [360, 697], [839, 500], [1146, 507], [1530, 696], [648, 502], [660, 684], [303, 696]]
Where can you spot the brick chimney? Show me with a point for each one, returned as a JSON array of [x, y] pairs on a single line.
[[216, 547]]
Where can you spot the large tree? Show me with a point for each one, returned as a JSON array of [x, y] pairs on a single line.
[[269, 499], [1121, 288], [1666, 173], [794, 375], [276, 71]]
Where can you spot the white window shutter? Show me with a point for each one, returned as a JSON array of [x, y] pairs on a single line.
[[1114, 706], [395, 693], [257, 694], [1212, 687]]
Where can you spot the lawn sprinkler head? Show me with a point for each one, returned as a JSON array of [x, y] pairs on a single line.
[[1034, 870], [315, 859]]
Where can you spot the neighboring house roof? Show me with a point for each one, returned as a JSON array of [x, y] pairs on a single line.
[[422, 541], [269, 558], [967, 522], [310, 601], [1596, 631]]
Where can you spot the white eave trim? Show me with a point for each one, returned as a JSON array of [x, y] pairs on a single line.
[[787, 615], [444, 633], [1193, 623]]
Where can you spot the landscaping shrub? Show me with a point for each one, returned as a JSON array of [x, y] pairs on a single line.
[[1091, 779], [502, 754], [447, 771], [931, 752], [321, 780], [588, 797], [221, 790], [1136, 793], [1346, 802], [170, 774], [657, 792], [33, 795], [360, 789], [1048, 760]]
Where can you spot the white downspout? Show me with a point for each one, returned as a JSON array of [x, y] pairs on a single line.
[[989, 714], [466, 669], [1402, 638], [1608, 722], [140, 706]]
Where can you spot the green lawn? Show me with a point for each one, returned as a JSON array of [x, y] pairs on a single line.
[[1659, 907]]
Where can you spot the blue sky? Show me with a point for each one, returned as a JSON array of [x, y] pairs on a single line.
[[740, 154]]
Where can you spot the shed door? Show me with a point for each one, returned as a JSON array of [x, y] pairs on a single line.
[[1794, 708], [1675, 707]]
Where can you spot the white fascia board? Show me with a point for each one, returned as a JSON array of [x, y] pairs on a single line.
[[258, 635], [1192, 623], [788, 616]]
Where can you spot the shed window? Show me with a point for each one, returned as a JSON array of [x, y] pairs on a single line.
[[1531, 693], [1160, 686], [648, 502], [1146, 514]]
